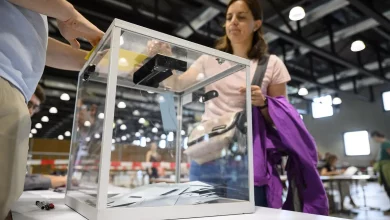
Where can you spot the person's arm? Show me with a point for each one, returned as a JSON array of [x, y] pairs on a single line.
[[60, 9], [63, 56], [325, 172], [35, 182], [148, 155], [274, 91]]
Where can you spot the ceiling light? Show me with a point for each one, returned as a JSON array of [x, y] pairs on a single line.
[[67, 133], [163, 136], [119, 121], [143, 142], [185, 143], [87, 139], [154, 130], [101, 116], [31, 135], [118, 140], [357, 46], [161, 99], [53, 110], [97, 135], [337, 101], [113, 141], [123, 62], [170, 136], [128, 135], [148, 140], [136, 113], [121, 40], [141, 120], [123, 127], [183, 132], [60, 137], [150, 92], [65, 97], [45, 119], [137, 134], [303, 91], [38, 125], [34, 131], [124, 138], [157, 125], [297, 13], [162, 144], [87, 123], [137, 142], [121, 105]]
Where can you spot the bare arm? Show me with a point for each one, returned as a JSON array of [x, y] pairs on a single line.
[[274, 91], [60, 9], [148, 155], [325, 172], [182, 81], [63, 56]]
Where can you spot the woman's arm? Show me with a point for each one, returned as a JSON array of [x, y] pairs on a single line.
[[274, 91], [148, 156], [63, 56], [325, 172], [60, 9]]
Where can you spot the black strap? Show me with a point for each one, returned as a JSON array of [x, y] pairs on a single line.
[[260, 71]]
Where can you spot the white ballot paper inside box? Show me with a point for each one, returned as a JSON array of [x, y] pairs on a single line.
[[163, 194]]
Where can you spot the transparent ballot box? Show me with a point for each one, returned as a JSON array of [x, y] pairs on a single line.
[[157, 133]]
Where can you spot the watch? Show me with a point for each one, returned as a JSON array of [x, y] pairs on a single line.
[[265, 104]]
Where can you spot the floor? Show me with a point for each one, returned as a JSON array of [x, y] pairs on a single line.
[[376, 197]]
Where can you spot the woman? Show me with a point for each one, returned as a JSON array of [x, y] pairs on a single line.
[[244, 38], [329, 169], [153, 156]]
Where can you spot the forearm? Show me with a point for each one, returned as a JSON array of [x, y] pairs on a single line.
[[63, 56], [266, 116], [35, 182], [60, 9]]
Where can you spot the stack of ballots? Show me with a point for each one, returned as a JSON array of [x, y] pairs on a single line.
[[162, 194]]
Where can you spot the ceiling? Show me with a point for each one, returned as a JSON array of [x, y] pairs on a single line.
[[316, 50]]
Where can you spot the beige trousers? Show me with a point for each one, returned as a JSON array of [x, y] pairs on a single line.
[[15, 125]]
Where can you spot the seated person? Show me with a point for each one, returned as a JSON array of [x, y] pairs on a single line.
[[329, 169], [153, 156], [34, 181]]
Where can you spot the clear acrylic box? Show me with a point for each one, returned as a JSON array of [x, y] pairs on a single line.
[[133, 96]]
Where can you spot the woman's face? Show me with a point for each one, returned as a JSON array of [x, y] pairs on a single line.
[[240, 24]]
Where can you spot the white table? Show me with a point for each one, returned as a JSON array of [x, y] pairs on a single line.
[[25, 209]]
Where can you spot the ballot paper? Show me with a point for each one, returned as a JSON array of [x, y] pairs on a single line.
[[350, 171], [162, 194]]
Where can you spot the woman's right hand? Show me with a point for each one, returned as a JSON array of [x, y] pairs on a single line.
[[157, 47]]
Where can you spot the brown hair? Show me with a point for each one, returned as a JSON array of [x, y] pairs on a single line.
[[259, 46], [377, 134], [331, 158], [40, 93]]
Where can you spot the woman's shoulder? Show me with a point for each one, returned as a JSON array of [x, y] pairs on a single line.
[[275, 60]]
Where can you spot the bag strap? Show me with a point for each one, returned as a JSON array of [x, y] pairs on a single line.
[[260, 70]]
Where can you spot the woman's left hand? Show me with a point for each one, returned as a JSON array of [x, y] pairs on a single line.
[[258, 99]]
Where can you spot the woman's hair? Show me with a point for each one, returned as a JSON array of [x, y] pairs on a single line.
[[331, 158], [377, 134], [259, 46]]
